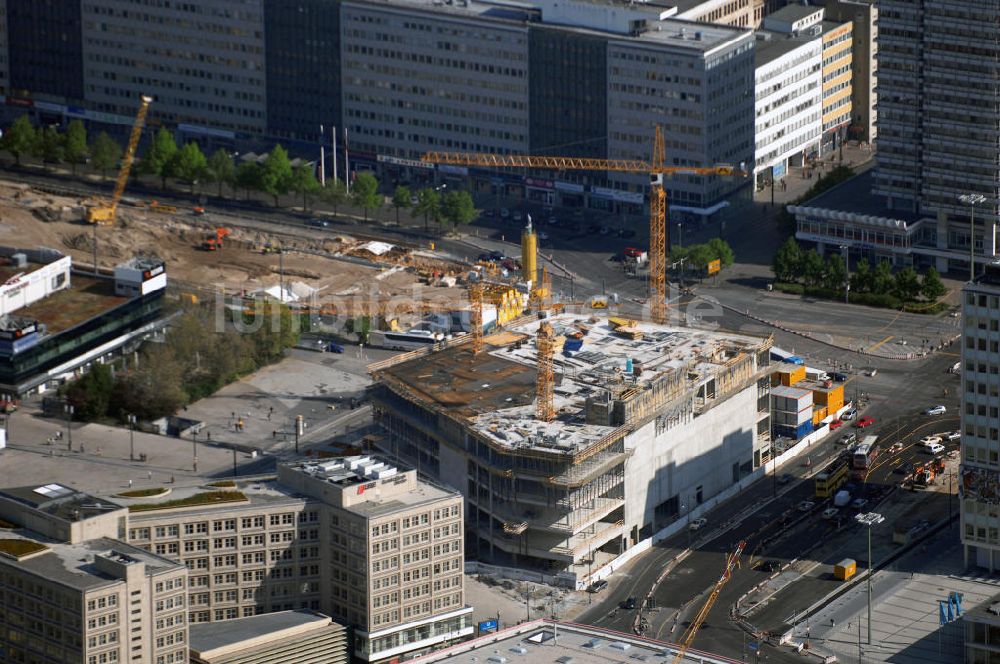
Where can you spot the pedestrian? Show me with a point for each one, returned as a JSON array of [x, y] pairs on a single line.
[[208, 435], [171, 479], [149, 474], [130, 484]]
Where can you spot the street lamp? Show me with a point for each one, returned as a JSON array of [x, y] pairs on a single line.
[[869, 519], [68, 409], [972, 200], [131, 437]]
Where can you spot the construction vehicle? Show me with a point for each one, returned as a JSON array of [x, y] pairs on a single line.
[[732, 562], [213, 242], [156, 206], [656, 168], [924, 474], [104, 213], [599, 302]]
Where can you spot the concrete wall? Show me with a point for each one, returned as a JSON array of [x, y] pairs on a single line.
[[700, 452]]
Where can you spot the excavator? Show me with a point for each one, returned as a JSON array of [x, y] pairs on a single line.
[[213, 241], [105, 211]]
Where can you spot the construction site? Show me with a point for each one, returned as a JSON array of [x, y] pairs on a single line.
[[573, 436]]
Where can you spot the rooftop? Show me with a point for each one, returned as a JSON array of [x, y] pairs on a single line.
[[72, 565], [256, 493], [770, 45], [86, 298], [60, 501], [544, 641], [495, 391], [792, 13], [247, 632], [855, 196]]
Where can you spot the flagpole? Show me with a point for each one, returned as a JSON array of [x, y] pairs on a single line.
[[334, 137], [347, 164], [322, 158]]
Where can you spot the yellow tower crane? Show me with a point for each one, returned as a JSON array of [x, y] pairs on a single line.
[[656, 169], [545, 341], [476, 316], [732, 562], [105, 212]]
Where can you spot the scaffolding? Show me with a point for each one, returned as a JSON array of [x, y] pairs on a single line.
[[476, 318]]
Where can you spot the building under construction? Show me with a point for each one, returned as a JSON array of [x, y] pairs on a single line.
[[574, 438]]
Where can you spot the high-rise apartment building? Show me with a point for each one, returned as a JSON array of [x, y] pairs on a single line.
[[71, 592], [939, 95], [980, 511]]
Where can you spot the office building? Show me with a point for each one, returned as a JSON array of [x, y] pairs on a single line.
[[54, 322], [788, 91], [302, 637], [980, 512], [836, 63], [73, 592], [394, 558], [864, 68], [687, 409], [981, 625]]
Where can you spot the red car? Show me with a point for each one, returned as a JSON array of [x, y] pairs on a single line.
[[633, 252], [836, 424], [865, 422]]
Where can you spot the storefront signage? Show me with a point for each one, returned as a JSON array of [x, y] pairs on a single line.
[[539, 183], [569, 186], [410, 163]]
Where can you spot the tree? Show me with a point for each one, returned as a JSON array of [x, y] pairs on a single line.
[[75, 146], [365, 193], [836, 272], [722, 251], [278, 332], [861, 280], [19, 139], [248, 177], [812, 268], [48, 145], [882, 278], [931, 286], [699, 256], [788, 261], [304, 182], [221, 169], [907, 284], [276, 173], [104, 153], [334, 193], [189, 164], [429, 205], [90, 394], [401, 198], [159, 156], [457, 207]]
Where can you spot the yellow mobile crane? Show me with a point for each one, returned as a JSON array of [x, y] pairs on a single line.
[[104, 213], [732, 562]]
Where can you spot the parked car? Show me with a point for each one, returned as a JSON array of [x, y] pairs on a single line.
[[849, 414], [865, 421], [929, 440], [848, 439], [830, 513], [806, 505], [698, 523], [859, 503], [629, 604], [872, 372], [838, 377], [934, 448], [318, 223], [632, 252], [504, 213], [334, 347], [542, 235], [953, 435], [936, 410], [598, 586], [836, 424]]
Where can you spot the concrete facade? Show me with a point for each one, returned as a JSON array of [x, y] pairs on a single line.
[[203, 62], [788, 103], [864, 68], [838, 56], [980, 509]]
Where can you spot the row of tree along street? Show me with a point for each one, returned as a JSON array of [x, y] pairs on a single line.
[[806, 272], [275, 175]]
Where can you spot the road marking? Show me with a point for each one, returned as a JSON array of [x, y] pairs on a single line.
[[889, 324], [872, 349]]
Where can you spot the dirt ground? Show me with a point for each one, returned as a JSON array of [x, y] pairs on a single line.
[[247, 261]]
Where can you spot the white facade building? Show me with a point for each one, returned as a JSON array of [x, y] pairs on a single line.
[[788, 105], [23, 282]]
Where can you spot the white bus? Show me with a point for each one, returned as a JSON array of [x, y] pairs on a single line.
[[865, 453], [412, 340]]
